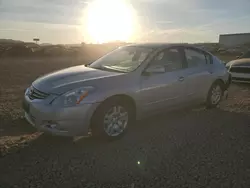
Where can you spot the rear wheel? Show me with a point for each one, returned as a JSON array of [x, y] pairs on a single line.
[[112, 119], [215, 95]]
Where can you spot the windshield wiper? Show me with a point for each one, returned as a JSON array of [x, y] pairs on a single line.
[[106, 69], [114, 69]]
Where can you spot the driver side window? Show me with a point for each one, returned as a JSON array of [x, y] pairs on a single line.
[[170, 59]]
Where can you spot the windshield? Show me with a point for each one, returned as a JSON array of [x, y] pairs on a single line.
[[123, 59]]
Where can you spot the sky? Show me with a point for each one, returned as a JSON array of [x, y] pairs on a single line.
[[61, 21]]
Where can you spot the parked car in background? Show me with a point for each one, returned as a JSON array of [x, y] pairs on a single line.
[[240, 68], [129, 83]]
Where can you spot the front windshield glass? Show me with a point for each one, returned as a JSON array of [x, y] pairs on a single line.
[[123, 59]]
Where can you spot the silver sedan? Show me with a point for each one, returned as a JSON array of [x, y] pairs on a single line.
[[129, 83]]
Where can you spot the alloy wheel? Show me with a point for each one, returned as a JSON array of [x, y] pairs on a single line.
[[115, 121], [216, 94]]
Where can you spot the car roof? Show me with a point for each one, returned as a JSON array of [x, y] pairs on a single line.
[[162, 45], [156, 46]]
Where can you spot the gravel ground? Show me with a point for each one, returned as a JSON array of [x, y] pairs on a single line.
[[193, 147]]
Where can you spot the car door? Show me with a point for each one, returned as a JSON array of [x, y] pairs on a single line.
[[162, 89], [198, 73]]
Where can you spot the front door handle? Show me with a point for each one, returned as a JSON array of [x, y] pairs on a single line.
[[181, 78]]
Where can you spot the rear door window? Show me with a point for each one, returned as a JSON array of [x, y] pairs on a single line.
[[171, 59], [195, 58]]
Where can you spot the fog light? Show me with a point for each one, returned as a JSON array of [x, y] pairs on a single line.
[[50, 124]]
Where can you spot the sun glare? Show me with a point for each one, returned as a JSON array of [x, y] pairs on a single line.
[[110, 20]]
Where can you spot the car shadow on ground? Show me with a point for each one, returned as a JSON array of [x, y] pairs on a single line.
[[20, 134], [148, 127], [171, 133]]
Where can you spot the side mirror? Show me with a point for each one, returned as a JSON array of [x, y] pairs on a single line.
[[154, 70]]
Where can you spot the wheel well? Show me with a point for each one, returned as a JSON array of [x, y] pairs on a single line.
[[221, 82], [127, 99]]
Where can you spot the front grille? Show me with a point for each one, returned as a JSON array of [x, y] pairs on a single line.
[[241, 79], [36, 94], [240, 69]]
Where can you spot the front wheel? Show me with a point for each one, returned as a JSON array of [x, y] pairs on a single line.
[[112, 119], [215, 95]]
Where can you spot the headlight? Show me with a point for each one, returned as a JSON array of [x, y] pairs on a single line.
[[73, 97]]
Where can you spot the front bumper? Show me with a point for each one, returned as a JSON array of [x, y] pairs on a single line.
[[64, 121], [240, 77]]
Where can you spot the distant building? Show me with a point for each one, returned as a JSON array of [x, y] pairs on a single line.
[[234, 39]]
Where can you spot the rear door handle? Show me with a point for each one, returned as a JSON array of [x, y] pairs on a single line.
[[181, 78]]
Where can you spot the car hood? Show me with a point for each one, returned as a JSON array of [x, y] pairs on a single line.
[[67, 79], [240, 62]]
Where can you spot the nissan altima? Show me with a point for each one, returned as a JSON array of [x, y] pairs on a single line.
[[129, 83]]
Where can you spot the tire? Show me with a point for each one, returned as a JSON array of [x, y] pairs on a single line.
[[101, 126], [215, 90]]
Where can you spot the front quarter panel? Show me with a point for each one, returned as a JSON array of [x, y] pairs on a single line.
[[126, 84]]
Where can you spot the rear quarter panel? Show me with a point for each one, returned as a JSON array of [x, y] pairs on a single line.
[[220, 71]]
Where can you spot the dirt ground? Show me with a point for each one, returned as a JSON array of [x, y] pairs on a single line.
[[193, 147]]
